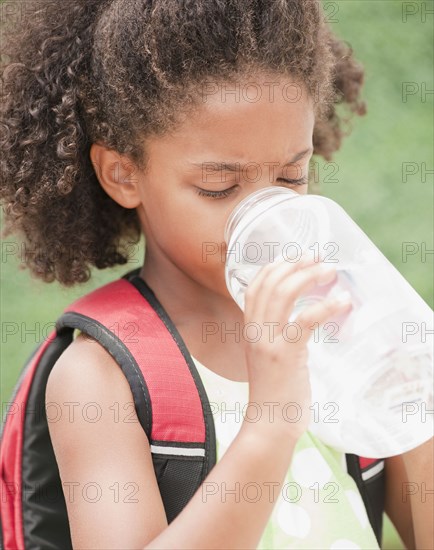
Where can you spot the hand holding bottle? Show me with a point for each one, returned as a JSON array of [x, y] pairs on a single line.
[[277, 365]]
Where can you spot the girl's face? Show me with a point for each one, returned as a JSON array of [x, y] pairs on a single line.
[[186, 194]]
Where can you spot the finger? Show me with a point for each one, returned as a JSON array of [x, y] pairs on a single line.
[[257, 294], [280, 266], [281, 300], [320, 312]]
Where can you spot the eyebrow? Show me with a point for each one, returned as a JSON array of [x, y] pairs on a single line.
[[234, 166]]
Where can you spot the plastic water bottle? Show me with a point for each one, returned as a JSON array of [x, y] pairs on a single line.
[[371, 369]]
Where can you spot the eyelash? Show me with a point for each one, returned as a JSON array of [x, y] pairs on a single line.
[[226, 192]]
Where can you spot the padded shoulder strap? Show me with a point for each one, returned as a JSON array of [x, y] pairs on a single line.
[[170, 401]]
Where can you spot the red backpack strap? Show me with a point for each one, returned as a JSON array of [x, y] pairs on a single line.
[[368, 473]]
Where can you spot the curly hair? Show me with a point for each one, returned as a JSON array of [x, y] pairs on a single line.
[[117, 71]]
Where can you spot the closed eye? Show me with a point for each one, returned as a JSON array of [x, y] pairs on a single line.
[[226, 192], [216, 194], [301, 181]]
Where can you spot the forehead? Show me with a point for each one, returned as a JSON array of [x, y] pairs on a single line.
[[261, 119]]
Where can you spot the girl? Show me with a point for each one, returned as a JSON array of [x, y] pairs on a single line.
[[122, 117]]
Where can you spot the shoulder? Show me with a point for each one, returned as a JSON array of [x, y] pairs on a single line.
[[85, 365], [87, 393]]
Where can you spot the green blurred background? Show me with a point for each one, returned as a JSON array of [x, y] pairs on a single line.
[[393, 40]]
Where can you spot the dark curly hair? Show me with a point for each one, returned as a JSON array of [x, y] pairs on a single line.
[[116, 71]]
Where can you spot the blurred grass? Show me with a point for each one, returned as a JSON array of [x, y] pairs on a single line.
[[368, 179], [370, 163]]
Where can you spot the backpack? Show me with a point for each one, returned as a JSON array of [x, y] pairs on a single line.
[[170, 401]]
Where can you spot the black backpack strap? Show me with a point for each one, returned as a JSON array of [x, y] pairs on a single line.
[[370, 480]]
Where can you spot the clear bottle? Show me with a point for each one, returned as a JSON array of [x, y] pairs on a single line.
[[371, 369]]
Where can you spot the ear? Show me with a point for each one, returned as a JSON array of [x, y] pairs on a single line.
[[117, 174]]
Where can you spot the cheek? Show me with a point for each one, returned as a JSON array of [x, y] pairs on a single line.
[[193, 231]]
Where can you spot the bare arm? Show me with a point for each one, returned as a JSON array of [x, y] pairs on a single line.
[[419, 467], [215, 520], [409, 496]]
